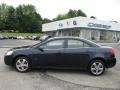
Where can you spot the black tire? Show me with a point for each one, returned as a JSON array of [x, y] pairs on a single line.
[[22, 64], [99, 69]]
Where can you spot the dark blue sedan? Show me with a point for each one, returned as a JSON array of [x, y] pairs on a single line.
[[62, 52]]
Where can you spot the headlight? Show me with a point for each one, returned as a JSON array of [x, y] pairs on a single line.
[[9, 53]]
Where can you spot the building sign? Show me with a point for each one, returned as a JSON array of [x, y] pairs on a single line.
[[60, 25], [67, 24], [74, 22], [90, 25], [101, 26]]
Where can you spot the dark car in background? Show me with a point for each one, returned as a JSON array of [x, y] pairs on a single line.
[[64, 53]]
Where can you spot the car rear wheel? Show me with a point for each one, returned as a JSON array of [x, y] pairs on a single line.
[[22, 64], [97, 67]]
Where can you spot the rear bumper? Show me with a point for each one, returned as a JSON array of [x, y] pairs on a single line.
[[111, 62]]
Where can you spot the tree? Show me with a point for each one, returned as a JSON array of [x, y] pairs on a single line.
[[24, 18], [2, 25], [28, 19], [3, 11], [116, 21], [81, 13], [70, 14], [60, 17], [46, 20], [3, 15], [11, 19], [93, 17]]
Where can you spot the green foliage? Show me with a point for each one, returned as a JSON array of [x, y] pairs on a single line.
[[81, 13], [10, 19], [2, 25], [46, 20], [28, 19], [93, 17], [24, 18], [70, 14], [22, 34]]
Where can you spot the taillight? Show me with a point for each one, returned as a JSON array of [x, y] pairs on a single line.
[[112, 51]]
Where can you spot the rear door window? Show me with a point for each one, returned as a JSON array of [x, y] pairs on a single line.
[[77, 44]]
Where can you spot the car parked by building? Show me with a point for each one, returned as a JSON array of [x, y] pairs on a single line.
[[63, 52]]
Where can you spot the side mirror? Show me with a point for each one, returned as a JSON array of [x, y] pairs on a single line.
[[41, 49]]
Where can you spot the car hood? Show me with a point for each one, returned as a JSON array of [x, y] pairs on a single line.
[[21, 48]]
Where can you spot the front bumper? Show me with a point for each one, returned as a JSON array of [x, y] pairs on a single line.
[[8, 60], [111, 62]]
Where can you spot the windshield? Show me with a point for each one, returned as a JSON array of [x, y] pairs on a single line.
[[34, 46]]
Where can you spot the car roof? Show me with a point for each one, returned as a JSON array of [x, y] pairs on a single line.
[[68, 37]]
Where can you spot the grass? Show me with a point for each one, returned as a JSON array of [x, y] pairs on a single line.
[[22, 34]]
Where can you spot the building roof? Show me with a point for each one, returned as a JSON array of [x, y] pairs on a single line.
[[81, 22]]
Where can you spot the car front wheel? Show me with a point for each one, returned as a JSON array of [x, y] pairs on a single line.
[[97, 67], [22, 64]]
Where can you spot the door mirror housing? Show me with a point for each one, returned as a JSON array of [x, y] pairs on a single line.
[[41, 49]]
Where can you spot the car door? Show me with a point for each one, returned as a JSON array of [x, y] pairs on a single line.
[[50, 52], [76, 54]]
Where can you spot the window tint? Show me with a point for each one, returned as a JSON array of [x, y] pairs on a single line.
[[77, 44], [87, 45], [74, 44], [56, 44]]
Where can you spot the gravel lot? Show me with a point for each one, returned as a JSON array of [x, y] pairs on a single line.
[[10, 79]]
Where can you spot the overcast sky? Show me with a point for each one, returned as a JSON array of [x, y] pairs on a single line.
[[102, 9]]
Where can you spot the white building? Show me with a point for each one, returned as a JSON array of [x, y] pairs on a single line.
[[88, 28]]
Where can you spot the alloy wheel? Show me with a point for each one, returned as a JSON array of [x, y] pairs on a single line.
[[22, 64], [97, 67]]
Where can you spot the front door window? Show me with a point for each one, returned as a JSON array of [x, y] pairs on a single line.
[[56, 44]]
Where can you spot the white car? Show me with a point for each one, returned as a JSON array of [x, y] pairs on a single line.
[[1, 37], [20, 37], [44, 37]]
